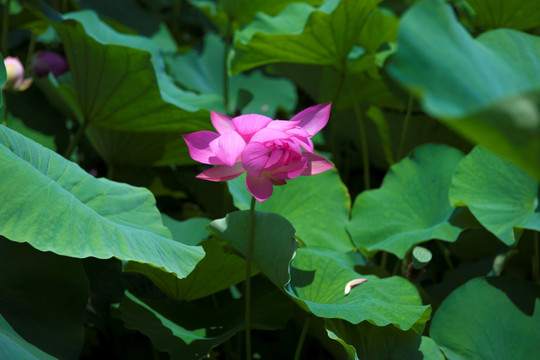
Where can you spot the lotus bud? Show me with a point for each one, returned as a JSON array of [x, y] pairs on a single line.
[[15, 75], [45, 62]]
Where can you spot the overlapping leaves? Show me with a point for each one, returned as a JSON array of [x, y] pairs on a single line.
[[303, 34], [318, 276], [318, 221], [495, 99]]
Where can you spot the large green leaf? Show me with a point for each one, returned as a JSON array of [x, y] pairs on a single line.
[[500, 195], [495, 99], [120, 80], [204, 74], [318, 276], [228, 14], [411, 206], [514, 14], [54, 205], [318, 220], [493, 318], [302, 34], [274, 245], [365, 341], [43, 299], [318, 282]]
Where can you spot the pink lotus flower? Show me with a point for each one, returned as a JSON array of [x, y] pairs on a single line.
[[270, 151], [15, 75], [45, 62]]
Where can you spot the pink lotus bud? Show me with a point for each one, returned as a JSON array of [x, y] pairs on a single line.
[[15, 75], [270, 151], [49, 61]]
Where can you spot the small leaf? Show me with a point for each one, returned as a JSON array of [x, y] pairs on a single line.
[[413, 201], [500, 195], [318, 220], [274, 245], [467, 327]]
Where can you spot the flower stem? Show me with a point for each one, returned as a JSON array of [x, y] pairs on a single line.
[[301, 340], [363, 136], [76, 139], [448, 262], [5, 28], [405, 127], [536, 260], [5, 114], [251, 236]]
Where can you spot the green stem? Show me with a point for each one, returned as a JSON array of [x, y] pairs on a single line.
[[301, 340], [397, 265], [405, 127], [31, 47], [448, 262], [5, 114], [5, 28], [226, 51], [76, 139], [110, 171], [536, 260], [175, 27], [251, 236], [384, 259], [363, 136]]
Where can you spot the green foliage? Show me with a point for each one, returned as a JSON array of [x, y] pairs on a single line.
[[434, 131], [303, 34]]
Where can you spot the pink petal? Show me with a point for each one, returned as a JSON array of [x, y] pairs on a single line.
[[221, 173], [222, 123], [283, 125], [199, 147], [255, 157], [260, 187], [249, 124], [268, 134], [313, 118], [228, 147], [292, 170], [316, 164], [275, 160]]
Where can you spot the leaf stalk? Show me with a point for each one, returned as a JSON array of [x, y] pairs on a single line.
[[249, 257]]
